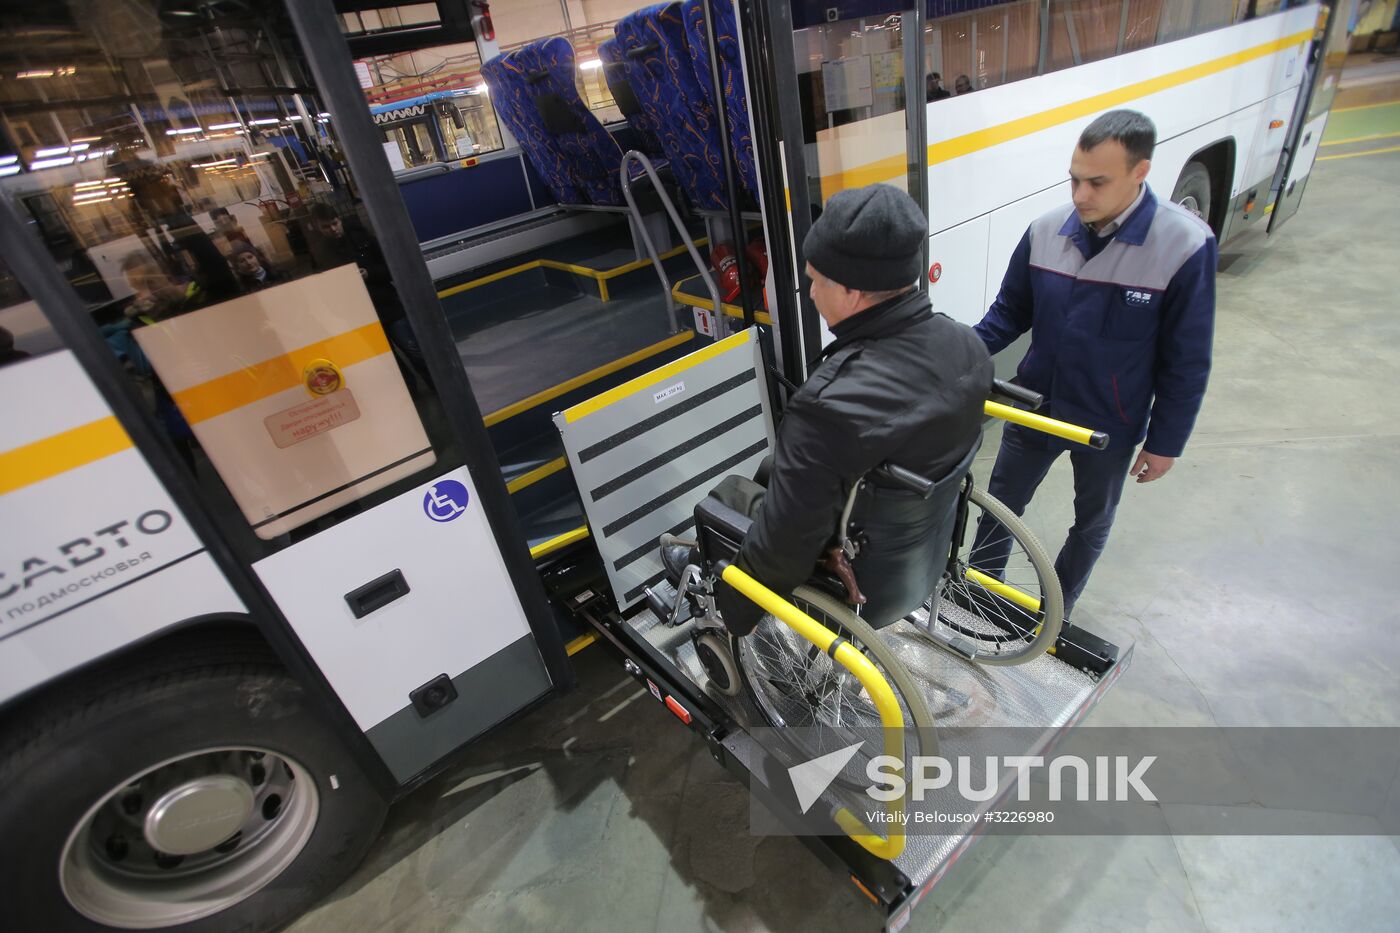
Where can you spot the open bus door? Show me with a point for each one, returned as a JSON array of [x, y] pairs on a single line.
[[1327, 57], [259, 572], [857, 77]]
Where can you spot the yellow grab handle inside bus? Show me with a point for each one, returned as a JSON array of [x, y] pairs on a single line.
[[845, 654], [1070, 432]]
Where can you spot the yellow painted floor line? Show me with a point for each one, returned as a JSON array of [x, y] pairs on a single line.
[[600, 276], [562, 541], [1358, 139], [578, 644], [705, 304], [537, 474], [1384, 103], [1353, 155], [539, 398], [643, 263], [488, 279]]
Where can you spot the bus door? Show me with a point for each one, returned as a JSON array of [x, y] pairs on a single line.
[[856, 72], [287, 350], [1327, 57]]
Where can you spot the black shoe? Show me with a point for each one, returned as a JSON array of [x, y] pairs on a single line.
[[676, 555]]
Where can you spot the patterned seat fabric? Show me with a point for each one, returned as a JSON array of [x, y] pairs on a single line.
[[735, 102], [615, 73], [660, 72], [534, 91]]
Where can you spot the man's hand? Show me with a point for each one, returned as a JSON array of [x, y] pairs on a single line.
[[1148, 467]]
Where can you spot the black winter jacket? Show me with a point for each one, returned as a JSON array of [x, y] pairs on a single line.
[[899, 383]]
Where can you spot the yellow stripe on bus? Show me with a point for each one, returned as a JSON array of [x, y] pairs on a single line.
[[968, 143], [232, 391], [599, 402], [59, 453]]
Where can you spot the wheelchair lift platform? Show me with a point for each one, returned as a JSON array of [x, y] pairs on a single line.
[[666, 439], [1041, 700]]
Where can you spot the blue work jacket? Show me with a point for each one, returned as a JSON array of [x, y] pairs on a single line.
[[1120, 342]]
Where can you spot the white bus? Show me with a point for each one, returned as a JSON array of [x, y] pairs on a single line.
[[266, 565], [1228, 84]]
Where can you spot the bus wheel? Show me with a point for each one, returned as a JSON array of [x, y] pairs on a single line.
[[198, 793], [1193, 190]]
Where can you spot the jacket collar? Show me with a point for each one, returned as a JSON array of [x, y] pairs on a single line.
[[881, 320], [1134, 229]]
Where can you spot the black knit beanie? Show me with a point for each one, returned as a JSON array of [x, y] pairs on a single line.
[[869, 239]]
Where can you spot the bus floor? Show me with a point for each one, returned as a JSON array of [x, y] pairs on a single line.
[[516, 345], [1248, 578]]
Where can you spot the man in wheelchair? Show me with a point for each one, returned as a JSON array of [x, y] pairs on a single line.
[[899, 384]]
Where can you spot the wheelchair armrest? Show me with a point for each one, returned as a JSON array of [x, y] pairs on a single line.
[[892, 474], [720, 529], [1010, 390]]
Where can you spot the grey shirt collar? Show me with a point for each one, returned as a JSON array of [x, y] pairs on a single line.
[[1112, 226]]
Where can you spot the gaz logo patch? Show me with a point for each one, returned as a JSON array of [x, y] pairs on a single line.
[[1137, 298]]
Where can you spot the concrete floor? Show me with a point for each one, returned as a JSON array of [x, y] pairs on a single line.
[[1254, 579]]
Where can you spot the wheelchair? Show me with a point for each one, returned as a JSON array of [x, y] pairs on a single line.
[[964, 572]]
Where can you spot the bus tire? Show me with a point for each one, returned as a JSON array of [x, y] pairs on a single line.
[[1192, 190], [115, 771]]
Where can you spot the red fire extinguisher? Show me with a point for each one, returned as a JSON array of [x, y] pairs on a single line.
[[484, 29]]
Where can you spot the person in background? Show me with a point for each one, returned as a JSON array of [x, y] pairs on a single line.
[[934, 89], [252, 270], [963, 85], [343, 243], [8, 353]]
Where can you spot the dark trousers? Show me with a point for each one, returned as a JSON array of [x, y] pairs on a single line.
[[1024, 459]]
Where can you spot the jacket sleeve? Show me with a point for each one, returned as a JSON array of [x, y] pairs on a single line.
[[819, 456], [1010, 314], [1183, 353]]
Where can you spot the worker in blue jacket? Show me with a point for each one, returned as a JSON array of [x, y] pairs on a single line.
[[1118, 292]]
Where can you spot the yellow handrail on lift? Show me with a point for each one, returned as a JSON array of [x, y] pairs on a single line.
[[1070, 432], [891, 716]]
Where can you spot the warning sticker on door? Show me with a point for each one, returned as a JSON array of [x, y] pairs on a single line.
[[309, 419]]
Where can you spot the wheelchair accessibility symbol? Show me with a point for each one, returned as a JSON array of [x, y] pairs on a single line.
[[445, 501]]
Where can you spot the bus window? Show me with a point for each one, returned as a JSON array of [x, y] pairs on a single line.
[[851, 76], [25, 332], [1183, 18], [431, 102], [217, 243], [586, 26], [986, 48], [1083, 31]]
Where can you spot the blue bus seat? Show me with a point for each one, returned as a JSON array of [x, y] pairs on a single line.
[[615, 73], [660, 72], [534, 89], [735, 102]]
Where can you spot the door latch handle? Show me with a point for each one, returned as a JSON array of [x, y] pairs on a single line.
[[377, 593]]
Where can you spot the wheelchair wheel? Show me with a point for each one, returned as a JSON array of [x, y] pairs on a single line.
[[1010, 608], [813, 702]]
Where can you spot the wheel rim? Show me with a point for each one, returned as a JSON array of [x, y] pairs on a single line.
[[999, 626], [1191, 204], [814, 703], [188, 838]]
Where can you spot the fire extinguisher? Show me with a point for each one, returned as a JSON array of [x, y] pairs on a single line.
[[484, 29]]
